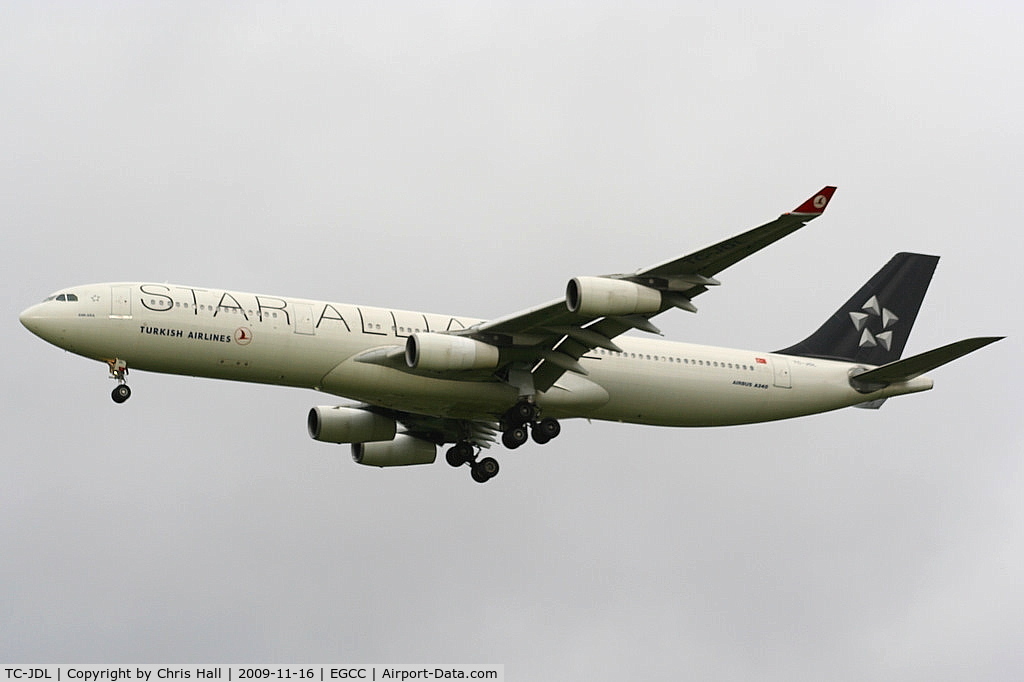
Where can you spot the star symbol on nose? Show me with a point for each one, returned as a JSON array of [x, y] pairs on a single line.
[[874, 316], [95, 298]]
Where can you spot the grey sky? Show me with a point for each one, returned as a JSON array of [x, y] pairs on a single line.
[[469, 159]]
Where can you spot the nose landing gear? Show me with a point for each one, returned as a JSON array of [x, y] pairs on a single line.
[[118, 371]]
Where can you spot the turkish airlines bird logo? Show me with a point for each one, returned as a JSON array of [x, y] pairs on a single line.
[[243, 336]]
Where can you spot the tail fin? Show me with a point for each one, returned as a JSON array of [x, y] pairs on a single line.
[[874, 325]]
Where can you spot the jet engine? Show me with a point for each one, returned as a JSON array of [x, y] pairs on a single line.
[[348, 425], [443, 352], [404, 450], [601, 296]]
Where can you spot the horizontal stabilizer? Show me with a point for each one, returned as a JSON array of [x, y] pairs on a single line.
[[913, 367]]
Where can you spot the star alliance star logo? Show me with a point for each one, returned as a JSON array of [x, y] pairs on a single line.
[[874, 316]]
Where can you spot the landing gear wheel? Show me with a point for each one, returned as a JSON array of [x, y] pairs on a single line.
[[514, 437], [118, 371], [459, 454], [545, 430], [485, 469], [522, 412], [121, 393]]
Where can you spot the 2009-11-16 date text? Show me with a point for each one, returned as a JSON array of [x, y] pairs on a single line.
[[277, 674]]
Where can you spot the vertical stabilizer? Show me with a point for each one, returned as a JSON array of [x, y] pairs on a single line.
[[874, 325]]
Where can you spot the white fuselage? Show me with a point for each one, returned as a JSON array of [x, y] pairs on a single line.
[[315, 344]]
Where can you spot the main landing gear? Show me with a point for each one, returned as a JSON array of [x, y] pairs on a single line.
[[118, 371], [522, 415], [463, 452], [519, 424]]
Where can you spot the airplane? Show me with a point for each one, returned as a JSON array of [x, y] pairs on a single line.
[[417, 381]]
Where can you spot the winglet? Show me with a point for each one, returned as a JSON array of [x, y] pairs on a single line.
[[816, 204]]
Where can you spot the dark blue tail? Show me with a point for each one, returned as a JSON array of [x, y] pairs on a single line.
[[874, 325]]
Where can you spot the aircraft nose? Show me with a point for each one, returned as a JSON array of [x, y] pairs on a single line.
[[30, 319], [40, 323]]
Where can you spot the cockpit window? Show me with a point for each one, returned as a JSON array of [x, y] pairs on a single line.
[[63, 297]]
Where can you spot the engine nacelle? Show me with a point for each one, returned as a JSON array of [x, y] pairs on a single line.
[[601, 296], [348, 425], [404, 450], [443, 352]]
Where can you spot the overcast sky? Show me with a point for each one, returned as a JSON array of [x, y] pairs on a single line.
[[469, 159]]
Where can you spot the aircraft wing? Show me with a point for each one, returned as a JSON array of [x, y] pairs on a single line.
[[550, 339]]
